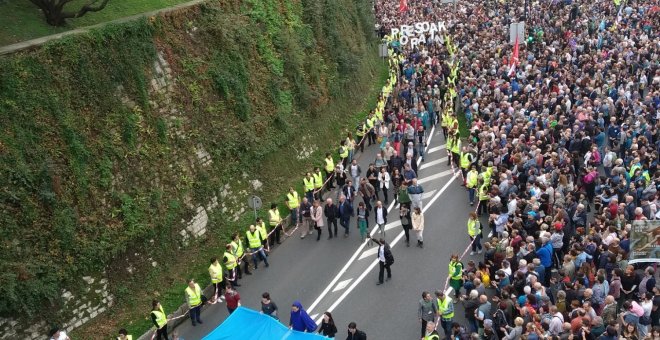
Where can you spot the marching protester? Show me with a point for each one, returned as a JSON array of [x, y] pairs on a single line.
[[194, 300]]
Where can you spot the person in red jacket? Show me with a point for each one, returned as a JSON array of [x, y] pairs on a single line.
[[233, 299]]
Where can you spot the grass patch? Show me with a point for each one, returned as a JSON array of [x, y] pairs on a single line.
[[21, 20]]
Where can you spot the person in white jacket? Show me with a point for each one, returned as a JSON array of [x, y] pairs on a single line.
[[418, 225], [384, 183]]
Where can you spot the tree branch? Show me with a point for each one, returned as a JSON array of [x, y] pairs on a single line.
[[89, 7]]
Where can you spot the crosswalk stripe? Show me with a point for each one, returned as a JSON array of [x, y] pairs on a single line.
[[437, 148], [436, 176], [371, 251], [341, 285], [432, 163]]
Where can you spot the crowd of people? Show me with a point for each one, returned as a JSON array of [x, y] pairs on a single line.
[[561, 155]]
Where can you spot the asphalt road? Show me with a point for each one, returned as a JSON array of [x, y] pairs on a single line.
[[340, 275]]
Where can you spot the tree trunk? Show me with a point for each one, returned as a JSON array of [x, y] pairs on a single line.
[[55, 15]]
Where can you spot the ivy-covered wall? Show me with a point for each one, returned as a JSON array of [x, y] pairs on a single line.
[[111, 141]]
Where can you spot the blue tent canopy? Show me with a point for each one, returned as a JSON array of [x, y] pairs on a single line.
[[245, 324]]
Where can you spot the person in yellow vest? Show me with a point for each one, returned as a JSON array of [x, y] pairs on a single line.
[[484, 197], [216, 274], [455, 274], [239, 251], [231, 262], [123, 335], [471, 180], [329, 169], [445, 311], [292, 202], [456, 150], [308, 183], [449, 145], [318, 184], [263, 230], [371, 126], [474, 231], [430, 333], [253, 240], [275, 222], [444, 123], [194, 301], [466, 161], [343, 153], [159, 319], [361, 131]]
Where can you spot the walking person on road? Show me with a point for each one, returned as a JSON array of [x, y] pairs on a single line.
[[194, 301], [331, 212], [418, 225], [406, 223], [300, 320], [306, 217], [385, 260], [328, 327], [367, 192], [455, 274], [397, 180], [268, 307], [317, 218], [427, 311], [415, 191], [355, 172], [384, 183], [362, 217], [354, 333], [345, 213], [474, 231], [380, 216], [404, 197]]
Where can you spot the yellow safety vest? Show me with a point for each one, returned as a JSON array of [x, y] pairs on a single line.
[[253, 239], [483, 192], [274, 217], [361, 131], [432, 337], [215, 271], [128, 337], [194, 297], [343, 152], [487, 174], [456, 146], [231, 261], [473, 227], [161, 318], [309, 183], [329, 164], [238, 248], [472, 178], [453, 268], [318, 180], [293, 200], [465, 160], [262, 230], [443, 306]]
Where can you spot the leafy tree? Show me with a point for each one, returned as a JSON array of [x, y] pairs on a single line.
[[56, 15]]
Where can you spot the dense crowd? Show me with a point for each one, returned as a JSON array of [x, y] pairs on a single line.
[[561, 154]]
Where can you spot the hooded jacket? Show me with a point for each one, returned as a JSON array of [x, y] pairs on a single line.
[[300, 320]]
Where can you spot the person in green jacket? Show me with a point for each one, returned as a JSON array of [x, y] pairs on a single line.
[[404, 197]]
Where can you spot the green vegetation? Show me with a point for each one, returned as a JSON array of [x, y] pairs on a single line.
[[89, 181], [21, 20]]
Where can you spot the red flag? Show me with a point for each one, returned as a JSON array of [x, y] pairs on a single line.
[[514, 59], [403, 5]]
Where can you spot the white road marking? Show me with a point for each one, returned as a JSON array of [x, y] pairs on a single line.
[[437, 148], [428, 194], [357, 252], [342, 285], [436, 176], [375, 261], [315, 315], [432, 163], [392, 225], [368, 252]]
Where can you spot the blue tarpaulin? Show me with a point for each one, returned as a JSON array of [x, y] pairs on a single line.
[[246, 324]]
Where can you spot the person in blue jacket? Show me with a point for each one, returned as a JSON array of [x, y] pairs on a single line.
[[545, 255], [300, 320]]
